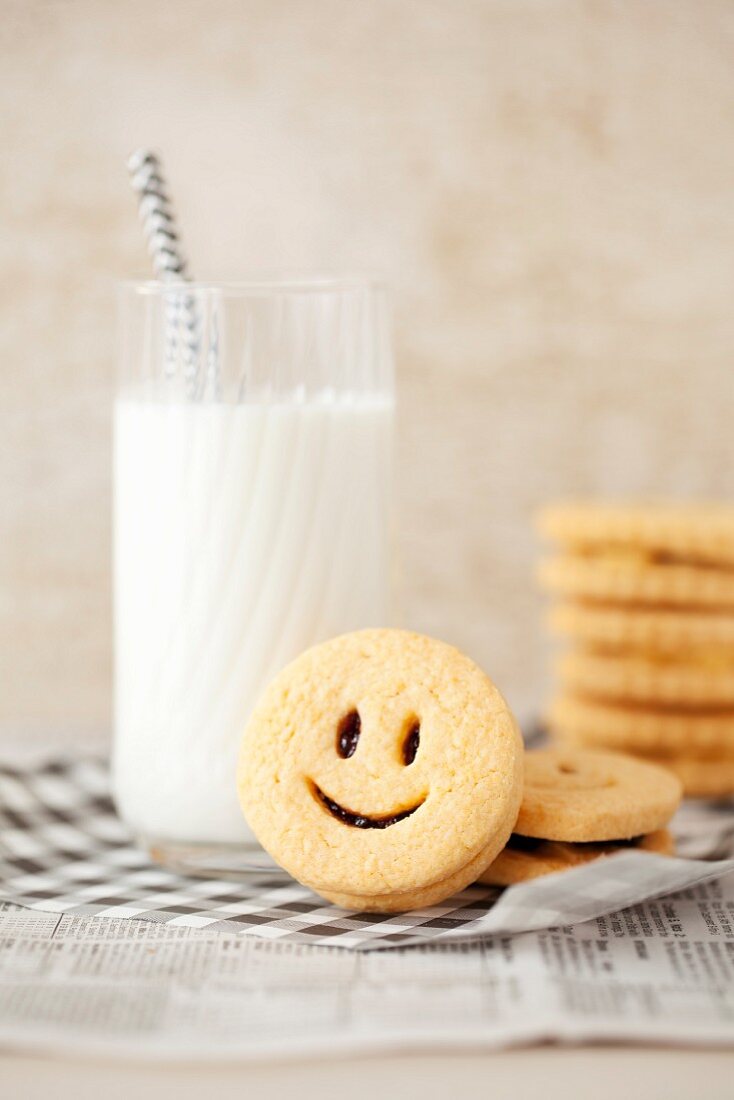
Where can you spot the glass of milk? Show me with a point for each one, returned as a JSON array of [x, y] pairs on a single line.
[[253, 430]]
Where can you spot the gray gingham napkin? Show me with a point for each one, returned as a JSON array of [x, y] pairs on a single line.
[[64, 850]]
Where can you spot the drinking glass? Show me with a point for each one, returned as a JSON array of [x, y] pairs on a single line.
[[253, 429]]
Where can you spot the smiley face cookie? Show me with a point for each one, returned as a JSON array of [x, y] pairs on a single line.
[[382, 769], [526, 858], [582, 795], [581, 805]]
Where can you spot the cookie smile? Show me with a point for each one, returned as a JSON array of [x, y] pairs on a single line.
[[362, 821]]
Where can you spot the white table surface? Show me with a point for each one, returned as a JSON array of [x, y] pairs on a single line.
[[544, 1073]]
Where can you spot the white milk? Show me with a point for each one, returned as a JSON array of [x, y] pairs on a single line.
[[243, 534]]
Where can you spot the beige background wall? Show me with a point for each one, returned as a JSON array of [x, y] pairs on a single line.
[[547, 185]]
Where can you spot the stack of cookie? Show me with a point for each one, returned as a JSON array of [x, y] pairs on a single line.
[[647, 602], [579, 806]]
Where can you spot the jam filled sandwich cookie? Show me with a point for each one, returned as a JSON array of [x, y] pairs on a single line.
[[383, 770], [641, 730], [655, 632], [624, 577], [636, 678], [683, 533], [580, 806], [703, 778]]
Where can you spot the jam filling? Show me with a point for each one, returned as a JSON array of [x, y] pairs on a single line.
[[531, 843], [347, 735], [411, 743], [361, 821]]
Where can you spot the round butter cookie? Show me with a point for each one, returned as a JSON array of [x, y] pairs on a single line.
[[382, 769], [525, 858], [645, 630], [416, 899], [584, 723], [705, 683], [583, 795], [692, 532], [631, 580], [702, 778]]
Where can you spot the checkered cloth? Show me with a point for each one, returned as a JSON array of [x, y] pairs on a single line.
[[64, 850]]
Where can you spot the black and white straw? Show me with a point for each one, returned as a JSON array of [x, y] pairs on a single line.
[[164, 245]]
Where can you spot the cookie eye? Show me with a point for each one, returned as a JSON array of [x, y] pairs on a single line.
[[411, 743], [347, 734]]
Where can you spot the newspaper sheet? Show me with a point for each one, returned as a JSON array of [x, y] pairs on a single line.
[[661, 971]]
